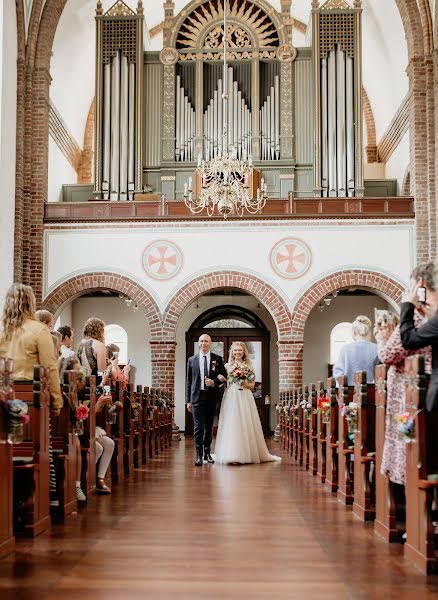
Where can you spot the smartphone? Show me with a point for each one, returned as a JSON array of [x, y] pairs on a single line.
[[106, 390], [421, 292], [115, 355]]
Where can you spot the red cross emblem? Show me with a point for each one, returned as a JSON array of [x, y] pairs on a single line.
[[162, 260], [291, 258]]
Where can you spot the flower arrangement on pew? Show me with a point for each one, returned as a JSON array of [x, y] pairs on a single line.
[[350, 411], [295, 408], [113, 410], [136, 408], [323, 407], [81, 414], [241, 375], [16, 416], [405, 427], [307, 409]]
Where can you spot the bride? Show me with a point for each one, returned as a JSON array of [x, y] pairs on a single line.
[[239, 436]]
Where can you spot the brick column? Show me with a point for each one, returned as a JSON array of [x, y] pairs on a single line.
[[431, 135], [290, 363], [163, 364], [418, 130]]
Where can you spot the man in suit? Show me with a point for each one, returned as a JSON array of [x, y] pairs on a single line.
[[203, 394]]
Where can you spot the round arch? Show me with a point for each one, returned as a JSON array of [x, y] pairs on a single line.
[[75, 286], [382, 284], [201, 284]]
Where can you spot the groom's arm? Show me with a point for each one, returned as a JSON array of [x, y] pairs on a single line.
[[220, 370], [188, 381]]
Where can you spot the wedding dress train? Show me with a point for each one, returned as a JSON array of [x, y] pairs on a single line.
[[240, 436]]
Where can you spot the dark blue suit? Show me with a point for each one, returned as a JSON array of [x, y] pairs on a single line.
[[203, 401]]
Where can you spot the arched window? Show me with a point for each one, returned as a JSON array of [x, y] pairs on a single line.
[[114, 334], [341, 334]]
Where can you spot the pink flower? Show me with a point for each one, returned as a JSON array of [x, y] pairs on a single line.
[[118, 405], [82, 412], [24, 419]]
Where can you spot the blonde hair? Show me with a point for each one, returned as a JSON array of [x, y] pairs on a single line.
[[362, 327], [246, 358], [44, 316], [95, 328], [20, 305]]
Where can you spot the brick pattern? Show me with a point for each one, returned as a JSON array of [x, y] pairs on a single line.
[[85, 171], [232, 280], [163, 364], [395, 131], [76, 286], [371, 151], [64, 138]]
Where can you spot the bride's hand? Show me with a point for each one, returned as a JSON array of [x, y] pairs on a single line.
[[221, 378]]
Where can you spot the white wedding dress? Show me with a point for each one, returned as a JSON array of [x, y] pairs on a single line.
[[239, 436]]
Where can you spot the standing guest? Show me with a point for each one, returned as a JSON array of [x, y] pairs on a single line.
[[427, 334], [27, 341], [359, 355], [66, 341], [46, 317]]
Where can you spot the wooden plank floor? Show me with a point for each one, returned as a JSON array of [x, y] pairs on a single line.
[[174, 530]]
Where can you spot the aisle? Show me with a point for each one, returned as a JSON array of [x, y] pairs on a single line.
[[177, 531]]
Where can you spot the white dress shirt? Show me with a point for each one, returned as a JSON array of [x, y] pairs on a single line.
[[201, 367]]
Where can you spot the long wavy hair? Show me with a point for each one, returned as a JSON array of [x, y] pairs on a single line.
[[95, 328], [20, 305], [245, 359]]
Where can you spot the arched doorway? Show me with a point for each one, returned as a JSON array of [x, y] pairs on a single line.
[[226, 324]]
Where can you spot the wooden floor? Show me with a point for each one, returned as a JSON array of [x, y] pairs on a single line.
[[174, 530]]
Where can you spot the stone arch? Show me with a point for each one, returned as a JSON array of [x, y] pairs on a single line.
[[76, 285], [411, 20], [371, 149], [406, 186], [85, 171], [200, 284], [386, 286]]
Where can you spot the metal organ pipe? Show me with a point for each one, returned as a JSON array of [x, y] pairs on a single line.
[[340, 122], [185, 125], [331, 124], [106, 130], [350, 126], [270, 123], [131, 133], [124, 90], [324, 149], [115, 127]]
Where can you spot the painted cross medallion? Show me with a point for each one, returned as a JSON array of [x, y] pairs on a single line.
[[162, 260], [291, 258]]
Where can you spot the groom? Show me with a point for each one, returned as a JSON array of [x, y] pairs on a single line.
[[202, 395]]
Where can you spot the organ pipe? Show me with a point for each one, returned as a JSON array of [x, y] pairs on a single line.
[[270, 123], [185, 129]]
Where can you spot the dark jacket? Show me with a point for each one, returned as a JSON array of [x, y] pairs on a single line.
[[193, 381], [414, 339]]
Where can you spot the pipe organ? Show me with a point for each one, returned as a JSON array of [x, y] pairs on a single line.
[[295, 113]]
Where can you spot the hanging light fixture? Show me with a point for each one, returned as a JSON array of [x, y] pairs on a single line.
[[225, 178]]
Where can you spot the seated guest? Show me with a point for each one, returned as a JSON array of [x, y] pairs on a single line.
[[391, 352], [46, 317], [66, 341], [116, 373], [359, 355], [27, 341], [426, 334]]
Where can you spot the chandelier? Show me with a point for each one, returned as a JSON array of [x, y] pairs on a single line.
[[224, 179]]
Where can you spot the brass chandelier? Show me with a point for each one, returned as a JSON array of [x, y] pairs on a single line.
[[224, 179]]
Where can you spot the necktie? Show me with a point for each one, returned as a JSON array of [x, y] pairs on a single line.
[[205, 369]]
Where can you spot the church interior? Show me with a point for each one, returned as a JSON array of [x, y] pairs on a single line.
[[254, 170]]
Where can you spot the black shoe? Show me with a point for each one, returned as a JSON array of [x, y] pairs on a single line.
[[198, 461], [209, 458]]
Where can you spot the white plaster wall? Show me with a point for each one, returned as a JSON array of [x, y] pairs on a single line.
[[8, 99], [239, 246], [396, 166], [60, 172], [320, 324], [189, 316], [114, 310]]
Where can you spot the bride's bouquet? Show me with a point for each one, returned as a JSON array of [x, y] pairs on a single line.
[[241, 374]]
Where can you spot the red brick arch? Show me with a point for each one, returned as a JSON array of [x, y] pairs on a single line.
[[77, 285], [201, 284], [382, 284]]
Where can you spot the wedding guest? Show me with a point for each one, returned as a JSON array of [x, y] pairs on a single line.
[[358, 355], [66, 341], [46, 317], [116, 373], [391, 352], [27, 341], [426, 334], [56, 339]]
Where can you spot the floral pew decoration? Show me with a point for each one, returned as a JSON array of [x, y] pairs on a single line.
[[323, 407], [350, 413], [113, 410], [16, 417]]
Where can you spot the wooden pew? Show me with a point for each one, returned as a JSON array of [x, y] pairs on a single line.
[[31, 458], [148, 424], [142, 398], [296, 425], [102, 420], [421, 471], [88, 439], [345, 450], [312, 419], [128, 429], [64, 451], [116, 432], [364, 448], [7, 540], [321, 428], [155, 421], [137, 420], [385, 523], [331, 471]]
